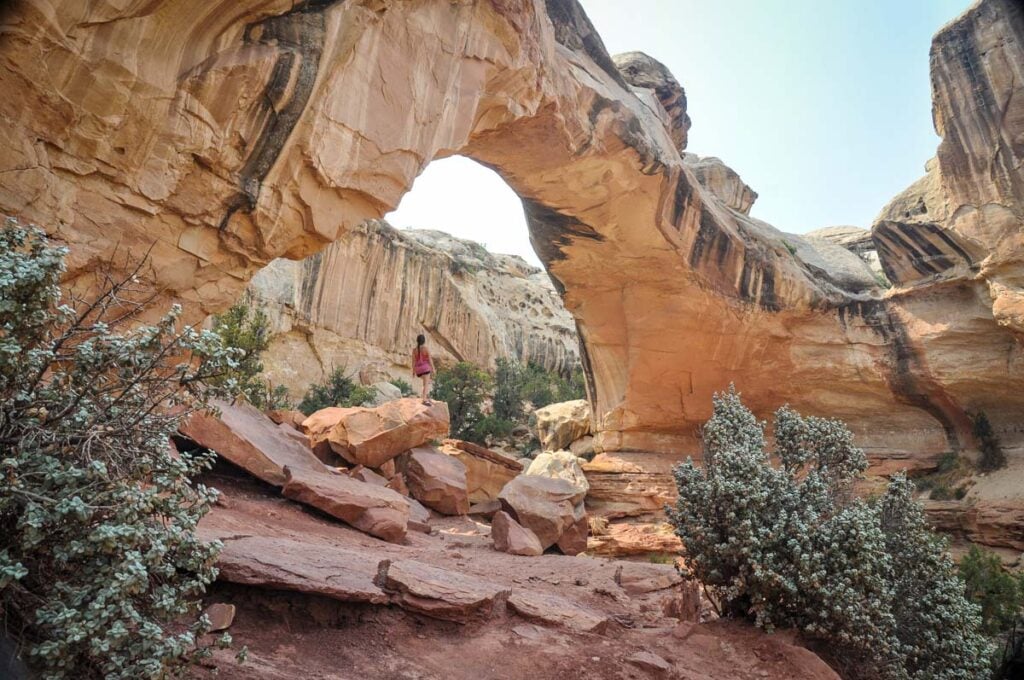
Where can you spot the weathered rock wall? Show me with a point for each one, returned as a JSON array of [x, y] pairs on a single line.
[[227, 134], [360, 303]]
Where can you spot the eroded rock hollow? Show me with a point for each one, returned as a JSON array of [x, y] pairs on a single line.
[[222, 135]]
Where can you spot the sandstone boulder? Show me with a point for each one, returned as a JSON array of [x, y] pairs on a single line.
[[573, 540], [384, 392], [287, 416], [438, 481], [221, 615], [487, 472], [548, 507], [376, 510], [559, 425], [373, 436], [245, 436], [624, 540], [365, 474], [560, 465], [511, 537]]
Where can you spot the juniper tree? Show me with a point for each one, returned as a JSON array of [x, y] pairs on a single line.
[[780, 537], [100, 565]]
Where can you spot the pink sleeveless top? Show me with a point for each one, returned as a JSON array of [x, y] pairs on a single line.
[[422, 364]]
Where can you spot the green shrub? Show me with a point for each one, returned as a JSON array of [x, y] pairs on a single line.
[[790, 545], [509, 379], [248, 330], [404, 387], [100, 567], [992, 455], [338, 390], [463, 386], [491, 426], [999, 593]]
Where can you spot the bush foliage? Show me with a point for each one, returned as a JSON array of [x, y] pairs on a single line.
[[463, 386], [403, 386], [338, 390], [99, 562], [789, 544], [248, 330], [999, 593]]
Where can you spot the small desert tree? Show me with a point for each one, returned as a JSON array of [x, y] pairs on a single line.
[[788, 544], [992, 455], [339, 389], [247, 329], [463, 386], [99, 560]]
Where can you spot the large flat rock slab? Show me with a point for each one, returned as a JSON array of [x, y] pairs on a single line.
[[438, 481], [439, 593], [371, 508], [245, 436], [299, 566], [553, 610]]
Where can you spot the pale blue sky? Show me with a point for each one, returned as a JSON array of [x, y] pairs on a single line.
[[822, 106]]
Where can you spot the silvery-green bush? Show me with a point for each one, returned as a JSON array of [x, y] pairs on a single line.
[[778, 536], [100, 566]]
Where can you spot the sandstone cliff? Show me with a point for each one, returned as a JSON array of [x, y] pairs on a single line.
[[269, 128], [361, 302]]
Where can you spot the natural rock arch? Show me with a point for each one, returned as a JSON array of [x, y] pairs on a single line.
[[231, 133]]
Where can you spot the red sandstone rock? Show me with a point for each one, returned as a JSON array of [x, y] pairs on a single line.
[[287, 417], [306, 567], [376, 510], [573, 540], [438, 481], [546, 506], [220, 615], [486, 471], [556, 611], [511, 537], [250, 440], [621, 540], [373, 436], [439, 593]]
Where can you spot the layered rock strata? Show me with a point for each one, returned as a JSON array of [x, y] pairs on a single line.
[[269, 129], [361, 303]]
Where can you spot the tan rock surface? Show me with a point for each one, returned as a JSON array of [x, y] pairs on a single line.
[[373, 509], [511, 537], [251, 440], [438, 481], [211, 150], [362, 301], [559, 425], [373, 436], [560, 465], [487, 472], [622, 540]]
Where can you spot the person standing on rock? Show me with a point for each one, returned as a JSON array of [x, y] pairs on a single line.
[[423, 366]]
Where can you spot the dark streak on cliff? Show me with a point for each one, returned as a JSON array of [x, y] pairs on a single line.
[[550, 231], [909, 377], [298, 35]]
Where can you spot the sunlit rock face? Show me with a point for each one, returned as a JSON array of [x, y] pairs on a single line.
[[226, 134], [361, 302]]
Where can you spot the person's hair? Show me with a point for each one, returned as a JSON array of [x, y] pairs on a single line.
[[420, 340]]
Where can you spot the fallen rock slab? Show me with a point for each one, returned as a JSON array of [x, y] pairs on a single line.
[[439, 593], [650, 662], [487, 472], [509, 536], [220, 615], [546, 506], [438, 481], [299, 566], [245, 436], [623, 540], [289, 417], [373, 509], [573, 540], [552, 610], [373, 436]]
